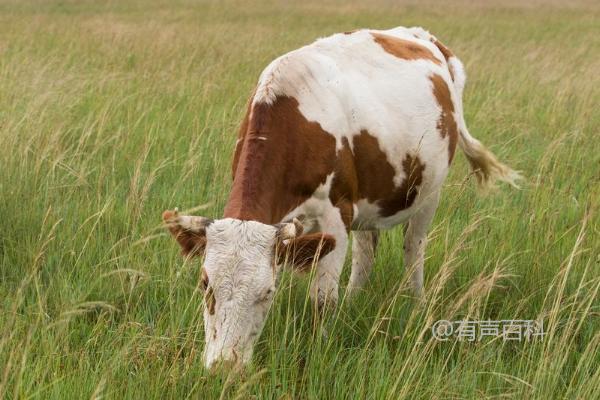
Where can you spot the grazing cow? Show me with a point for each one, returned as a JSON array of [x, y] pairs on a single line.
[[355, 132]]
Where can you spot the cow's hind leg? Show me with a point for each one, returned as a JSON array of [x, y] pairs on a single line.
[[324, 289], [364, 244], [415, 242]]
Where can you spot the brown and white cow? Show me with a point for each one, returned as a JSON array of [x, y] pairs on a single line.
[[353, 133]]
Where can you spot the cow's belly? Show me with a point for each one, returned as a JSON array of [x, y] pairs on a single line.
[[367, 217]]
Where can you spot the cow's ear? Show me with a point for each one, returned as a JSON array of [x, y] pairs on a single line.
[[188, 230], [304, 251]]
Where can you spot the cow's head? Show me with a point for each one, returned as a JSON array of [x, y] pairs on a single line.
[[242, 261]]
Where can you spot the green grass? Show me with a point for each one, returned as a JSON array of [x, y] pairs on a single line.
[[111, 112]]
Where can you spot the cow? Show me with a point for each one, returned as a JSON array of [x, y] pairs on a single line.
[[353, 133]]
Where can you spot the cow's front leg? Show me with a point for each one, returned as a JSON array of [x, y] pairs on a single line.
[[364, 244], [324, 288]]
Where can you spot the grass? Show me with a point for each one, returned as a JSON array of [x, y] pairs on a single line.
[[111, 112]]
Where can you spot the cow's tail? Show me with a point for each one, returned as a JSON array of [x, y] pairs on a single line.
[[485, 165]]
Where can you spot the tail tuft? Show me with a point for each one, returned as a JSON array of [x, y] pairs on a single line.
[[485, 165]]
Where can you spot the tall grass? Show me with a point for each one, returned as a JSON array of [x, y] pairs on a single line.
[[111, 112]]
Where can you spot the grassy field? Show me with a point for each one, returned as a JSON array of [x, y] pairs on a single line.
[[111, 112]]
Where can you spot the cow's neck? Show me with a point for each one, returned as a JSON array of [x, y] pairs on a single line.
[[258, 191], [280, 161], [259, 169]]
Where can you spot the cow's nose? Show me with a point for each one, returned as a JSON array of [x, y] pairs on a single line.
[[226, 363]]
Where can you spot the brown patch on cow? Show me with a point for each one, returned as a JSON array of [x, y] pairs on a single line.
[[404, 196], [344, 188], [404, 49], [350, 32], [446, 124], [447, 53], [283, 159], [365, 172], [304, 251]]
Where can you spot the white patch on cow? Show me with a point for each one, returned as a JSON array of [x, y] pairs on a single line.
[[239, 265]]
